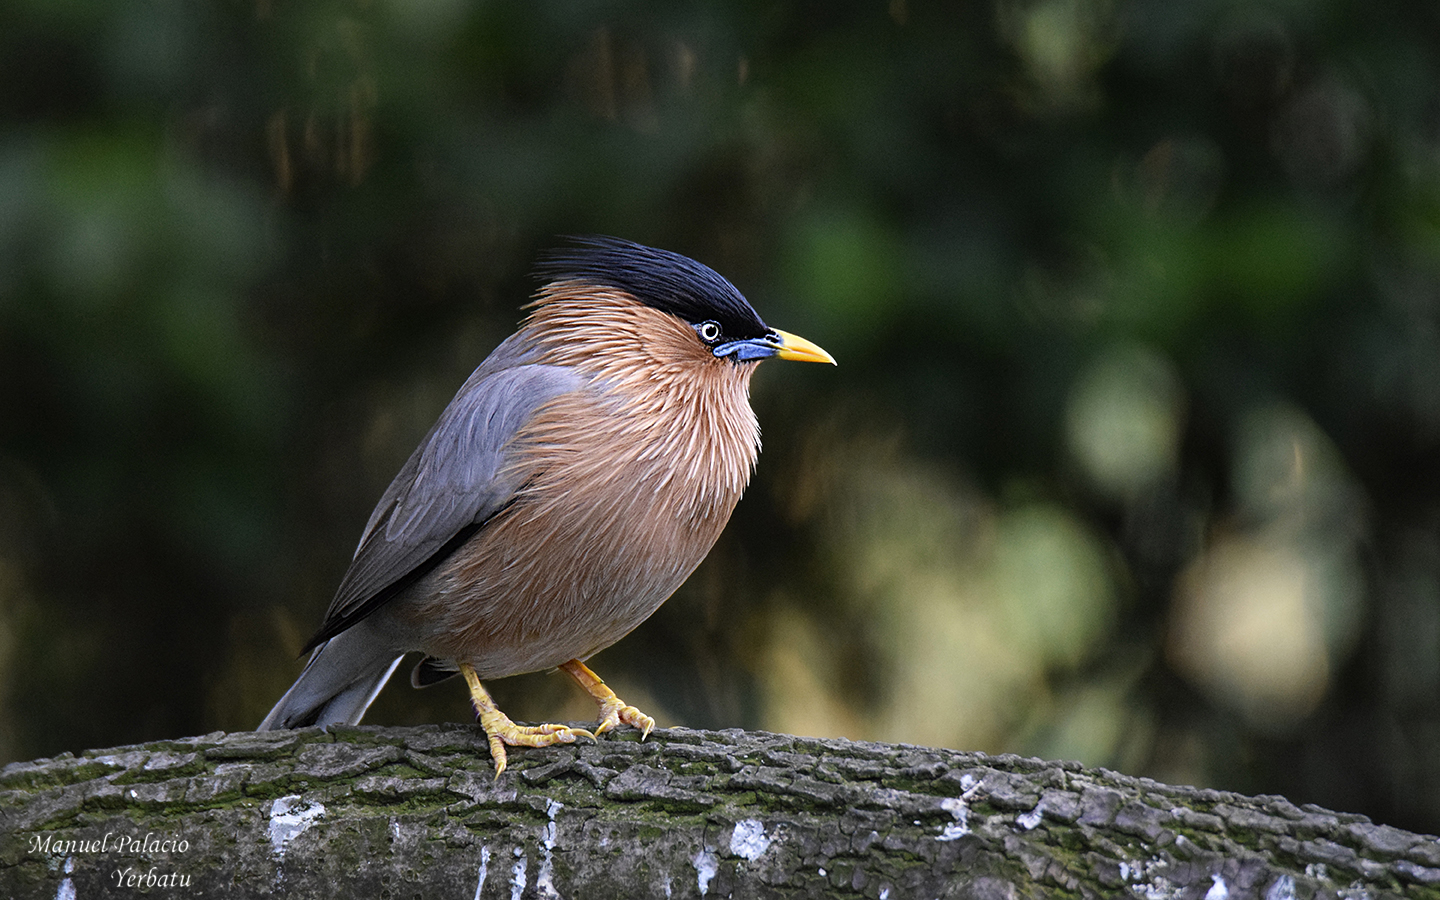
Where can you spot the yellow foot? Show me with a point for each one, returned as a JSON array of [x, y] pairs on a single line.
[[613, 710], [501, 731]]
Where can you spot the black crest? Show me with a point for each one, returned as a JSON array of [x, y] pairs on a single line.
[[658, 278]]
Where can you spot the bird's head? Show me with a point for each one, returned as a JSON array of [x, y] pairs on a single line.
[[623, 284]]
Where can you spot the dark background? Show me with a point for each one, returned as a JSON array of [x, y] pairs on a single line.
[[1131, 455]]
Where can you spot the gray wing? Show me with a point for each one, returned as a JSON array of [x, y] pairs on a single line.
[[454, 482]]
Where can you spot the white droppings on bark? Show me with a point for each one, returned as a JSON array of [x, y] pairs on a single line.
[[1282, 889], [957, 829], [544, 880], [1149, 879], [517, 876], [289, 817], [1031, 820], [66, 890], [482, 871], [1219, 890], [749, 840], [706, 865], [956, 807]]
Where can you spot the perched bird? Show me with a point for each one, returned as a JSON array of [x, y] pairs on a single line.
[[578, 477]]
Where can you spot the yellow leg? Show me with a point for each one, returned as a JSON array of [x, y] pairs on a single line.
[[613, 710], [502, 731]]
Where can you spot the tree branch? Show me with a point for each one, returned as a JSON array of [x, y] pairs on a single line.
[[401, 812]]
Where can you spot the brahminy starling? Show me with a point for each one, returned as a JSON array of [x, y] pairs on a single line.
[[576, 480]]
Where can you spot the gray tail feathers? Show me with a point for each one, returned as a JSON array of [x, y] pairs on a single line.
[[339, 682]]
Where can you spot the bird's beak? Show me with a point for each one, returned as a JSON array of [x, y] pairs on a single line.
[[793, 346], [777, 343]]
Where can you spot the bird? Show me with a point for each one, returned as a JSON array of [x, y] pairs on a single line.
[[577, 478]]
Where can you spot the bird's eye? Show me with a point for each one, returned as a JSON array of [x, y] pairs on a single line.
[[709, 331]]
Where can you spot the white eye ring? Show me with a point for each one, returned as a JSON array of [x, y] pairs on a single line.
[[709, 331]]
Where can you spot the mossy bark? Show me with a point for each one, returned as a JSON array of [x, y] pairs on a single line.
[[416, 812]]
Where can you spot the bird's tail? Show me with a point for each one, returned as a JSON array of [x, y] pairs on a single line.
[[339, 682]]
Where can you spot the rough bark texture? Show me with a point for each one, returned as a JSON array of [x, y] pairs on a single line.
[[415, 812]]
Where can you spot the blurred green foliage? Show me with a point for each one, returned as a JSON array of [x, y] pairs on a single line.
[[1133, 454]]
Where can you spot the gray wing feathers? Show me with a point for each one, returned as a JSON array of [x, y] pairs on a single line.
[[459, 476]]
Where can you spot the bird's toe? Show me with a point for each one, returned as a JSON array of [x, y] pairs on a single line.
[[539, 735], [507, 733], [616, 712]]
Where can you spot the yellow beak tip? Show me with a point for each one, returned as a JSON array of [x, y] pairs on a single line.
[[793, 346]]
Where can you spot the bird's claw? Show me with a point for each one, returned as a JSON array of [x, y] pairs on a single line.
[[500, 730], [614, 711], [506, 732]]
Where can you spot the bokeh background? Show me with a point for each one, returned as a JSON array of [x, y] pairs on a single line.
[[1132, 455]]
